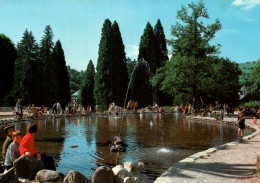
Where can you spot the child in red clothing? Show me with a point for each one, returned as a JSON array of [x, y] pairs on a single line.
[[27, 146]]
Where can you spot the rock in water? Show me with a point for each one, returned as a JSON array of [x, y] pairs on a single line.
[[120, 173], [103, 175], [49, 176], [27, 167], [76, 177]]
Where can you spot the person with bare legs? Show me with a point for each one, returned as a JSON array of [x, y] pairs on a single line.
[[241, 124]]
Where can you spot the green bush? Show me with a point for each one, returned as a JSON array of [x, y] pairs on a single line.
[[253, 104]]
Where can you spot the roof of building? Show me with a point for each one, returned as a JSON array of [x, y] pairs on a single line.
[[75, 94]]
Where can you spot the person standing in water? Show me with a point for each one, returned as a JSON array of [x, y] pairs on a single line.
[[19, 109], [241, 124], [117, 110]]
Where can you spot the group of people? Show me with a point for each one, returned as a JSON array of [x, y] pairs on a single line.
[[15, 145], [78, 109], [114, 108], [70, 109], [31, 110], [132, 105]]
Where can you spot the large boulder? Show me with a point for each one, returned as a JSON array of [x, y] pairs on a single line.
[[103, 175], [131, 180], [133, 168], [120, 173], [76, 177], [25, 167], [134, 174], [49, 176], [143, 178]]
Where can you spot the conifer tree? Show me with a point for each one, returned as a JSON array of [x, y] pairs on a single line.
[[147, 48], [8, 55], [147, 64], [46, 49], [141, 89], [119, 76], [161, 48], [102, 88], [161, 57], [61, 89], [26, 75], [87, 86]]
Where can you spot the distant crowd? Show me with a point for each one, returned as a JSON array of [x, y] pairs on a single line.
[[70, 109]]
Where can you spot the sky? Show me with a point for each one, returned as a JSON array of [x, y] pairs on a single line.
[[78, 23]]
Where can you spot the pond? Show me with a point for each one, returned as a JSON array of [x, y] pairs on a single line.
[[158, 140]]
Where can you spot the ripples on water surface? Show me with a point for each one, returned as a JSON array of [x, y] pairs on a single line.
[[158, 140]]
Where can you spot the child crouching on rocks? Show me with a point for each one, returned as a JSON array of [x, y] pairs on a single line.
[[13, 149], [241, 123], [27, 146]]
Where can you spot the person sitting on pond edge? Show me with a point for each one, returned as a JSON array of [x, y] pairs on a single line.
[[27, 146], [13, 150], [8, 131]]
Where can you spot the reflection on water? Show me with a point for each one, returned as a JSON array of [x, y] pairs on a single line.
[[158, 140]]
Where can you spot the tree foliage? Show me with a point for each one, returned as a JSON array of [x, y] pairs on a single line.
[[161, 49], [87, 86], [27, 68], [194, 73], [8, 55], [152, 55], [46, 49], [111, 77], [161, 97], [255, 80], [61, 89], [119, 76], [147, 48], [102, 88], [75, 78], [41, 75]]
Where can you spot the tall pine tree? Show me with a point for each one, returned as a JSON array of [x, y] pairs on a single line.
[[161, 56], [46, 49], [26, 75], [102, 88], [161, 49], [147, 48], [87, 86], [147, 64], [8, 55], [118, 68], [61, 89]]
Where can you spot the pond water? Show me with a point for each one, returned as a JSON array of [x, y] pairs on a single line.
[[78, 143]]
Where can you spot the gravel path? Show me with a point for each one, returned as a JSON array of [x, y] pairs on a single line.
[[234, 163]]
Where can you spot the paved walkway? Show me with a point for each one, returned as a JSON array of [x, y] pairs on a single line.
[[233, 163]]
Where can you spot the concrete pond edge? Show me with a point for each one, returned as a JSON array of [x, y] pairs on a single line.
[[206, 153]]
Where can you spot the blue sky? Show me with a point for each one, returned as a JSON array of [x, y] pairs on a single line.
[[77, 24]]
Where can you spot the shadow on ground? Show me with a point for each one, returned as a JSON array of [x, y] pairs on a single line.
[[233, 171]]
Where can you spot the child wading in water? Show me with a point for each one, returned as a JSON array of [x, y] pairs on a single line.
[[241, 123], [13, 149]]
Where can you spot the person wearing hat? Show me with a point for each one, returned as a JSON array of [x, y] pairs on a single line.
[[9, 132]]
